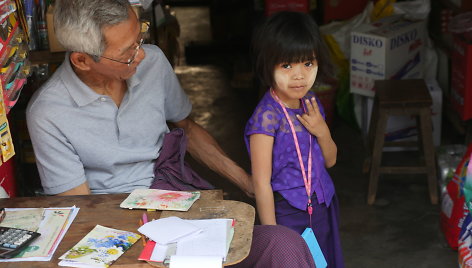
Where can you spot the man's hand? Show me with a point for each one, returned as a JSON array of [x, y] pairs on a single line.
[[204, 148], [248, 188]]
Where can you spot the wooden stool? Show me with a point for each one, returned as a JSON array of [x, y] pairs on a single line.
[[409, 98]]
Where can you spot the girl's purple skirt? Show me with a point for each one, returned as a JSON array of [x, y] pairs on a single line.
[[324, 224]]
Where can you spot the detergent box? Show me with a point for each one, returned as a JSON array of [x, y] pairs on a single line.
[[390, 48]]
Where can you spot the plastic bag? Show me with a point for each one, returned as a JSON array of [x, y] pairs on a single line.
[[465, 243], [462, 24], [453, 206], [418, 9], [465, 235]]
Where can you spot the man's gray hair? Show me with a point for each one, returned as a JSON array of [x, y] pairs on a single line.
[[78, 24]]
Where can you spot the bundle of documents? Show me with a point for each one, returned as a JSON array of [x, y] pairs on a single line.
[[51, 223], [99, 248], [187, 241], [160, 199]]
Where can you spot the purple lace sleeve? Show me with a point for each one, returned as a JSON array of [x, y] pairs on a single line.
[[263, 121]]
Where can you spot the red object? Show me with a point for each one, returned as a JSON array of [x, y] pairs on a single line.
[[461, 76], [273, 6], [147, 251], [446, 15], [7, 177], [342, 9], [463, 5], [453, 207]]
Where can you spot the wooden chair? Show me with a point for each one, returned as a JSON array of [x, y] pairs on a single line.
[[409, 98]]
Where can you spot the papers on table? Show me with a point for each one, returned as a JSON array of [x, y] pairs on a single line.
[[168, 230], [99, 248], [212, 241], [160, 199], [195, 262], [28, 219], [52, 225], [189, 238]]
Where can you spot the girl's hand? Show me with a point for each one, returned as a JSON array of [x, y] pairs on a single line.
[[313, 120]]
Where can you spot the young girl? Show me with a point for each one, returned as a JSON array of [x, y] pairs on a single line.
[[287, 137]]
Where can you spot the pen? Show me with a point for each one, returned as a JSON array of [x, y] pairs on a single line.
[[145, 218]]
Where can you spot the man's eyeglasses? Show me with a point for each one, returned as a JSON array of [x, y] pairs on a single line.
[[133, 51]]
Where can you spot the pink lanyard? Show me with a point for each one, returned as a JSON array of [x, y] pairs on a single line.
[[306, 179]]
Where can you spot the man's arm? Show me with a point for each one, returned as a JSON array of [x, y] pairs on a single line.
[[204, 148], [82, 189]]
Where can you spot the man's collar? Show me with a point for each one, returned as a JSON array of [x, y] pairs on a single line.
[[80, 92]]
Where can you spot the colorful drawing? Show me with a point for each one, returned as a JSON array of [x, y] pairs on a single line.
[[160, 199], [100, 248]]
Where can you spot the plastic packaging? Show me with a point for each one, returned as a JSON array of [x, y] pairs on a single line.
[[448, 157], [462, 24]]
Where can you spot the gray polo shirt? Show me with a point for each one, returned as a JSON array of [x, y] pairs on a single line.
[[79, 135]]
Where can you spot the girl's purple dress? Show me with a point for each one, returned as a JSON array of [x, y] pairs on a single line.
[[287, 181]]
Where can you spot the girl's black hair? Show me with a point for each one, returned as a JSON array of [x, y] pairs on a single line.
[[287, 37]]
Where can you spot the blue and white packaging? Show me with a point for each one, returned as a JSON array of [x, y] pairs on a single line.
[[390, 48]]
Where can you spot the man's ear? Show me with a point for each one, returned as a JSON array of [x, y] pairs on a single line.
[[81, 60]]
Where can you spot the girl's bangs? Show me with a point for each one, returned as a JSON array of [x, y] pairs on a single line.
[[297, 52]]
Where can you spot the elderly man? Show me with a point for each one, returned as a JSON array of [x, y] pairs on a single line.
[[98, 124]]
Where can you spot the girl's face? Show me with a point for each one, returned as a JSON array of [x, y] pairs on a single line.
[[293, 80]]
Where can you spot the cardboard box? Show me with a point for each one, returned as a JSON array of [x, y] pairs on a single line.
[[461, 77], [403, 128], [54, 45], [391, 48]]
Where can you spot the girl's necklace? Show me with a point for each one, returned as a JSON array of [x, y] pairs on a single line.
[[306, 175], [286, 105]]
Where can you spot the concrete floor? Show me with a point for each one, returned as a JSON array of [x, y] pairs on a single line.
[[400, 230]]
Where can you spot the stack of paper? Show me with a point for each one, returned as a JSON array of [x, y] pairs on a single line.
[[160, 199], [175, 236], [99, 248], [51, 223]]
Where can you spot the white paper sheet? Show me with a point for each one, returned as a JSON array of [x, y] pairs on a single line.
[[195, 262], [159, 253], [212, 241], [168, 230]]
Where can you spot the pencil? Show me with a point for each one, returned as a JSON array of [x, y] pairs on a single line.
[[143, 237]]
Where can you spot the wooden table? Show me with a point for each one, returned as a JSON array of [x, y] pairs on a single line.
[[94, 209]]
